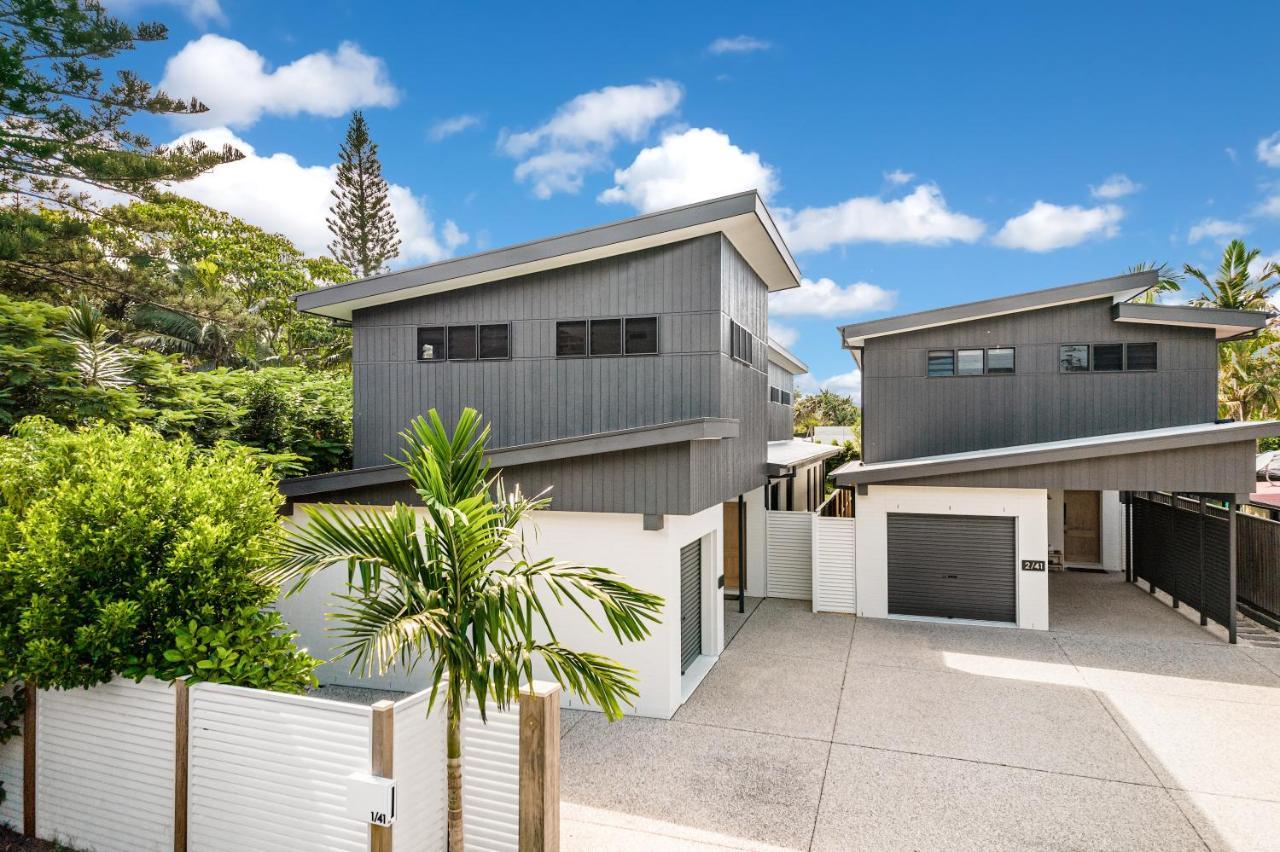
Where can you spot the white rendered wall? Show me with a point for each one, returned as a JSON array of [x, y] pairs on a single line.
[[1112, 523], [1026, 505], [757, 542]]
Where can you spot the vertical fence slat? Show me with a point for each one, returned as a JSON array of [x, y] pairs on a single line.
[[540, 768], [29, 759], [181, 727], [382, 733]]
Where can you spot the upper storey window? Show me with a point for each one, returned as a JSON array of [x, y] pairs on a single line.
[[1107, 357], [431, 343], [970, 362], [741, 344], [606, 337], [642, 335], [484, 341]]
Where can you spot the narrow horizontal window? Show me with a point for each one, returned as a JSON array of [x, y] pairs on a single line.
[[431, 343], [775, 394], [642, 335], [969, 362], [1074, 358], [495, 341], [942, 362], [1000, 360], [1140, 356], [462, 343], [1108, 357], [571, 338], [606, 337]]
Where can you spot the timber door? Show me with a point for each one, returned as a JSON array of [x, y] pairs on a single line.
[[1081, 537], [731, 546]]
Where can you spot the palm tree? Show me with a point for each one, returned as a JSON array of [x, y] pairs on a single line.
[[1168, 280], [1249, 378], [1234, 286], [455, 585]]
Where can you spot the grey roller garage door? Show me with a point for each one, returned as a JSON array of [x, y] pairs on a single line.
[[690, 604], [952, 566]]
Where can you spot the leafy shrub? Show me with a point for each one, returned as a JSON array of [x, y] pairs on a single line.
[[113, 542]]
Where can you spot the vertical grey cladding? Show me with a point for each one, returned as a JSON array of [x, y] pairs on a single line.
[[535, 396], [781, 417], [907, 414]]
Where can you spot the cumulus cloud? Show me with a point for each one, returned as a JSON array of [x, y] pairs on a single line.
[[898, 177], [694, 165], [235, 83], [1269, 207], [1269, 149], [921, 217], [849, 384], [202, 13], [1046, 226], [825, 297], [783, 335], [737, 44], [1217, 230], [1115, 186], [555, 156], [451, 126], [279, 194]]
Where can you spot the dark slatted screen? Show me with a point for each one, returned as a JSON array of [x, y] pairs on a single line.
[[952, 566], [1167, 547], [690, 604]]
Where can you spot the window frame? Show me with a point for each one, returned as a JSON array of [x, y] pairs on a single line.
[[444, 345], [1013, 353], [1155, 357], [740, 339], [928, 368], [657, 335], [786, 396], [1088, 351], [480, 326], [475, 340], [982, 366], [591, 337], [1093, 358], [775, 393], [586, 338]]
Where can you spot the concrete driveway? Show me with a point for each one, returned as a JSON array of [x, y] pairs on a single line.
[[1126, 727]]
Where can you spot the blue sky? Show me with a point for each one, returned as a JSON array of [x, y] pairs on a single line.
[[916, 154]]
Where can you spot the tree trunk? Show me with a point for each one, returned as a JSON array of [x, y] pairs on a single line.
[[455, 771]]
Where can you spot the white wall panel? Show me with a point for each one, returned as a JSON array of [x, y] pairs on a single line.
[[790, 555], [104, 766], [268, 771], [419, 768], [491, 778], [834, 578]]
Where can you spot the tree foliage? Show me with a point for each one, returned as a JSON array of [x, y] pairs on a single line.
[[1235, 285], [115, 545], [364, 229]]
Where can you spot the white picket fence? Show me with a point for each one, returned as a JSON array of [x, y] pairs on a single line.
[[265, 770], [810, 557]]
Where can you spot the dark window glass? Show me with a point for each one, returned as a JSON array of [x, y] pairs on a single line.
[[733, 339], [786, 397], [969, 362], [1140, 356], [745, 350], [642, 336], [431, 343], [1074, 358], [571, 338], [462, 343], [775, 394], [606, 337], [1000, 360], [942, 363], [1108, 357], [495, 341]]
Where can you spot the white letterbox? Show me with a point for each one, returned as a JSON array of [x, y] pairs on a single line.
[[371, 799]]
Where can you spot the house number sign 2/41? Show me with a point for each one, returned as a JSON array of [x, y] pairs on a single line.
[[1033, 565]]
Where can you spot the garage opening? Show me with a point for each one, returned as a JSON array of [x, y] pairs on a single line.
[[953, 566], [690, 604]]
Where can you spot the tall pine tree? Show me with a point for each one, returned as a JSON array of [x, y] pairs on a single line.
[[364, 230]]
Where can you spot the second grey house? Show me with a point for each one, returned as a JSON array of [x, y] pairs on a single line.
[[626, 368], [1008, 436]]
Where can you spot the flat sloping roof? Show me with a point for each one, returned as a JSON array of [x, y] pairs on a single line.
[[1148, 440], [786, 359], [1225, 323], [1120, 288], [743, 218], [783, 455], [695, 429]]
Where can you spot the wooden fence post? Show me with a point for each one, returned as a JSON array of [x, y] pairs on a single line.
[[382, 741], [29, 691], [181, 736], [540, 768]]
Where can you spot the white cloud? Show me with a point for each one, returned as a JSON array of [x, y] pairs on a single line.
[[1217, 230], [447, 127], [898, 177], [737, 44], [1046, 227], [691, 166], [849, 384], [825, 297], [234, 82], [1261, 262], [202, 13], [1269, 207], [1115, 186], [783, 335], [279, 194], [556, 155], [921, 217], [1269, 149]]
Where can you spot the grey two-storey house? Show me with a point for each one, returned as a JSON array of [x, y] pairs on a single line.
[[624, 367], [1005, 437]]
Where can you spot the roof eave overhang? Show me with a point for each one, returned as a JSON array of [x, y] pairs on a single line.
[[1226, 324], [1125, 443], [784, 358], [781, 468], [742, 218]]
